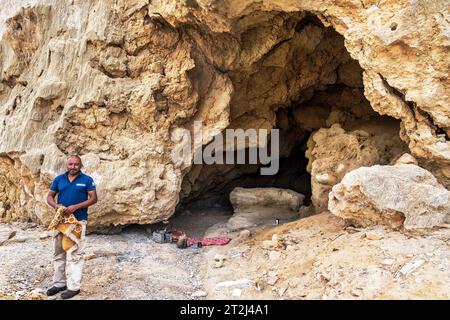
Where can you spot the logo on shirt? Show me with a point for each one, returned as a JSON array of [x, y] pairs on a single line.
[[81, 185]]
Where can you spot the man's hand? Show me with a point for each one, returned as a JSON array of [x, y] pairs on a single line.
[[70, 209]]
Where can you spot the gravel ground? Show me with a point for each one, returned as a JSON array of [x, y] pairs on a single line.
[[128, 265], [313, 258]]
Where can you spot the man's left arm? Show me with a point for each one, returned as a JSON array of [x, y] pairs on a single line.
[[89, 202]]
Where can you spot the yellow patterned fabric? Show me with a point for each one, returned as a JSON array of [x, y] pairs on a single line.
[[69, 226]]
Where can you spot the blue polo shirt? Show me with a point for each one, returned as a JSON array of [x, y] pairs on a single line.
[[75, 192]]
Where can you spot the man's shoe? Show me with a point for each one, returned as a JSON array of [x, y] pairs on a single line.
[[69, 294], [54, 290]]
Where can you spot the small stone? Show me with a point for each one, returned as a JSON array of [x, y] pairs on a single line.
[[295, 282], [241, 283], [389, 261], [412, 265], [282, 291], [199, 293], [89, 256], [244, 234], [274, 255], [275, 238], [323, 277], [272, 274], [325, 178], [355, 293], [219, 260], [20, 293], [406, 158], [272, 280], [340, 168], [236, 292], [259, 285], [373, 235], [237, 252], [44, 235], [5, 235], [21, 239]]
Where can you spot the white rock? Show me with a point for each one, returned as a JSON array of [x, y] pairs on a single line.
[[406, 158], [272, 280], [388, 261], [44, 235], [236, 292], [241, 283], [244, 198], [244, 234], [325, 178], [272, 273], [374, 235], [390, 194], [199, 293], [274, 255], [282, 291], [412, 265]]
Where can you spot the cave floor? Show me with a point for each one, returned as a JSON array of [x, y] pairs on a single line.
[[314, 258]]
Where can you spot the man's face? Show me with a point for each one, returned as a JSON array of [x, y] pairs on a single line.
[[73, 165]]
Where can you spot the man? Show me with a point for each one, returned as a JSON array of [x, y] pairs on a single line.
[[76, 192]]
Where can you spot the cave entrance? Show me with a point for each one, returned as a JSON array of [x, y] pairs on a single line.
[[213, 183], [205, 203], [306, 82]]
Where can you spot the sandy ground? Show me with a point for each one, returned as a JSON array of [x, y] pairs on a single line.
[[126, 266], [312, 258], [319, 258]]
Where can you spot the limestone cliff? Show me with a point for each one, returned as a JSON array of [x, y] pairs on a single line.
[[113, 79]]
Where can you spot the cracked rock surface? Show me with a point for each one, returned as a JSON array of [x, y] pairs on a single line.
[[113, 80]]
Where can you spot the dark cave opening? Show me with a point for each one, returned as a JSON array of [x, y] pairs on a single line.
[[324, 87], [291, 175]]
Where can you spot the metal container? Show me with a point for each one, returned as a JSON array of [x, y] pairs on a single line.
[[158, 237]]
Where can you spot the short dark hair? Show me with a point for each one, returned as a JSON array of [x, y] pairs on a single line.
[[74, 156]]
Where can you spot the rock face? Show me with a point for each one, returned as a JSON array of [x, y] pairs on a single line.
[[114, 80], [400, 195], [333, 152]]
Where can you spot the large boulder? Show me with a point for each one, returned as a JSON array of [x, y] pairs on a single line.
[[399, 195], [244, 199], [255, 206]]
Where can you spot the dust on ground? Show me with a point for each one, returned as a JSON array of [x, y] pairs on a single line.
[[313, 258]]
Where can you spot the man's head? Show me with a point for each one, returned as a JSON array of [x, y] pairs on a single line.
[[74, 164]]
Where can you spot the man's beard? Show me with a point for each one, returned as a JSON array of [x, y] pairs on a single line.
[[74, 172]]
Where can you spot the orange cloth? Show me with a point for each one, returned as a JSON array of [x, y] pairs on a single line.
[[69, 226]]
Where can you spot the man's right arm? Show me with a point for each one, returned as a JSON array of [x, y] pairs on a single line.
[[51, 194], [51, 199]]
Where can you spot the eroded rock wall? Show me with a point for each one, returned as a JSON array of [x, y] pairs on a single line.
[[112, 80], [107, 82]]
